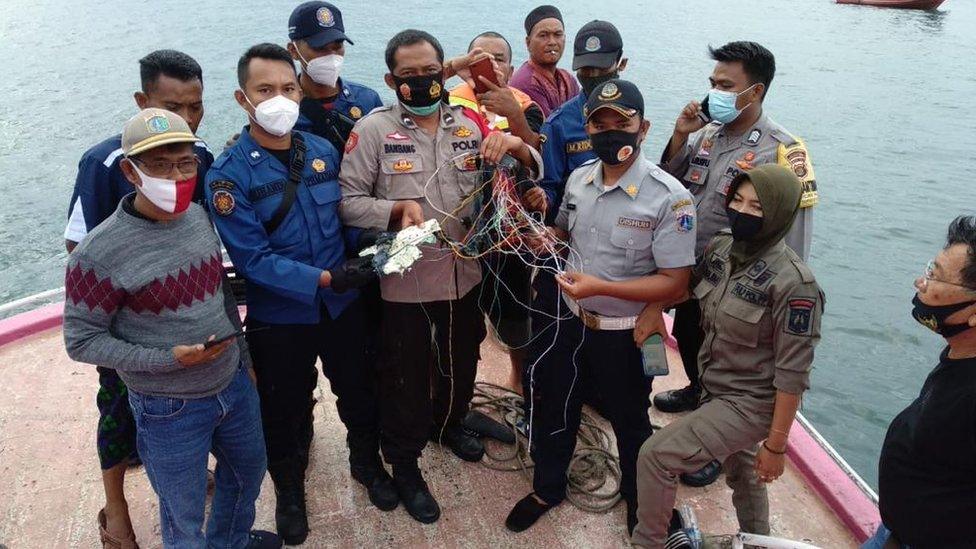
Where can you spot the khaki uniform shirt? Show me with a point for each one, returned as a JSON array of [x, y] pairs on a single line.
[[645, 221], [711, 159], [389, 158], [761, 324]]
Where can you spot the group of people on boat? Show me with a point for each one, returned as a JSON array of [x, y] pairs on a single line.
[[719, 229]]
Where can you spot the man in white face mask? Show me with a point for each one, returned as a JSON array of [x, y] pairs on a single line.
[[332, 105], [274, 196]]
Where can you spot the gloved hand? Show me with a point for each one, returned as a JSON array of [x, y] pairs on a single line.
[[353, 273]]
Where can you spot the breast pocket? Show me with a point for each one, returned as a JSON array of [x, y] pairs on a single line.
[[740, 322], [326, 197], [402, 176], [634, 247]]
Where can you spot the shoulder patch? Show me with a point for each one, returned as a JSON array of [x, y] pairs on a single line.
[[795, 158], [800, 320], [223, 202], [351, 142], [221, 184]]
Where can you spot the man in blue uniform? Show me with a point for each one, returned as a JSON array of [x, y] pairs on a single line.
[[331, 105], [597, 58], [173, 81], [275, 197]]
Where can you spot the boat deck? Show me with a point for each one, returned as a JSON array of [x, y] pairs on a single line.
[[51, 487]]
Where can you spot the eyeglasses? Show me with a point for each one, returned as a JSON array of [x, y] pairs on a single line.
[[929, 275], [165, 166]]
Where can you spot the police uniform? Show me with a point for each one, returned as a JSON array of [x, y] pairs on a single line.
[[99, 187], [761, 324], [644, 222], [334, 121], [706, 165], [244, 188], [389, 158]]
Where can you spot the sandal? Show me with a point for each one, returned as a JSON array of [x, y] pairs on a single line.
[[111, 542]]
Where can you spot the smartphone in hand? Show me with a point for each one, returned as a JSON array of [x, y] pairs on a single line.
[[238, 333], [654, 356], [485, 68], [703, 114]]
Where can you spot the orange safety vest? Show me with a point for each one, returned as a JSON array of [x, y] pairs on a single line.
[[464, 95]]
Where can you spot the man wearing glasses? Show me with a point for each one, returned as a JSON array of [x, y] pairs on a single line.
[[173, 81], [927, 471]]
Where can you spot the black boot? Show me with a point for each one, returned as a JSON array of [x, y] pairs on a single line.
[[367, 469], [525, 513], [414, 493], [678, 400], [290, 516], [463, 445], [702, 477]]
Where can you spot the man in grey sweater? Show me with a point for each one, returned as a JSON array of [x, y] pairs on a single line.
[[145, 295]]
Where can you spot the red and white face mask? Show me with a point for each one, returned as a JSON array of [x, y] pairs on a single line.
[[167, 194]]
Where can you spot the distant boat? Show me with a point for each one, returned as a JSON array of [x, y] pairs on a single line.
[[904, 4]]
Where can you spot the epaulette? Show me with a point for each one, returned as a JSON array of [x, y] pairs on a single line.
[[806, 275]]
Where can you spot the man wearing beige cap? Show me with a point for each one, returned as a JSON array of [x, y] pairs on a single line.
[[146, 297]]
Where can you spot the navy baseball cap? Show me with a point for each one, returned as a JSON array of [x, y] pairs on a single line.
[[317, 23], [598, 44], [619, 95]]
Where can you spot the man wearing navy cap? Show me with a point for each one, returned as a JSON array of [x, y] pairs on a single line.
[[633, 226], [331, 105]]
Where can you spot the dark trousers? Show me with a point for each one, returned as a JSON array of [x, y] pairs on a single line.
[[688, 331], [284, 361], [562, 363], [428, 359]]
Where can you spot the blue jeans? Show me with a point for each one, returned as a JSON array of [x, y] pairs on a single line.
[[174, 437], [880, 538]]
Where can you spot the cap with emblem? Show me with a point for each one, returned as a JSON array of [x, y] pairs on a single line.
[[317, 23], [619, 95], [153, 128], [598, 44]]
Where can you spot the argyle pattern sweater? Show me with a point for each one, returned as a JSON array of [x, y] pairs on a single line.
[[135, 288]]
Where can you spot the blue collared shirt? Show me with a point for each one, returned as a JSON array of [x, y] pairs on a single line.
[[244, 188], [100, 185], [566, 147], [354, 102]]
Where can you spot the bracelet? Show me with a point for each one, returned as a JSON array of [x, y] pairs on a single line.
[[771, 451]]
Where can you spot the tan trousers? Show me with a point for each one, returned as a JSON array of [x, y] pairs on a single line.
[[718, 430]]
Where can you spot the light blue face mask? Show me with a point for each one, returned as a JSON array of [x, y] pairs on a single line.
[[422, 111], [721, 105]]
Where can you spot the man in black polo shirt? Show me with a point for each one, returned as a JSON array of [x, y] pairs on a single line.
[[927, 474]]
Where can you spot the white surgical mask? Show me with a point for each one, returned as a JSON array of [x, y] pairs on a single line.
[[323, 70], [276, 115], [169, 195]]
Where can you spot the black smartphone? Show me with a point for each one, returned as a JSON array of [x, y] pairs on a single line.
[[238, 333], [703, 114]]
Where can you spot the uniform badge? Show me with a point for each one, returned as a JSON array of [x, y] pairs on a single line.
[[462, 132], [576, 147], [609, 92], [223, 202], [706, 148], [435, 89], [352, 142], [632, 190], [624, 153], [405, 91], [681, 204], [685, 221], [470, 163], [255, 154], [356, 113], [592, 43], [402, 165], [157, 124], [800, 320], [318, 165], [744, 165], [754, 136], [695, 176], [749, 156], [397, 136], [757, 269], [325, 17], [798, 162]]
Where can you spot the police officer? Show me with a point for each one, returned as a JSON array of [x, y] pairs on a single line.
[[275, 195], [632, 227], [761, 309], [706, 157], [170, 80], [331, 105], [597, 58], [403, 164]]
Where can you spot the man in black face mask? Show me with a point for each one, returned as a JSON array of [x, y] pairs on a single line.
[[927, 472], [631, 227]]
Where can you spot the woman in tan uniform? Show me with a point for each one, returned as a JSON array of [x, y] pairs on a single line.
[[761, 309]]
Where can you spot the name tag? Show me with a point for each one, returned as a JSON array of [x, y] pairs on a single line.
[[579, 147], [642, 224]]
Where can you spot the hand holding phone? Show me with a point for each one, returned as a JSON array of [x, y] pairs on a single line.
[[483, 67], [654, 356]]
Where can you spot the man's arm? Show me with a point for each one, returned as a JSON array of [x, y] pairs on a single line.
[[554, 159], [676, 155], [664, 285], [88, 205]]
